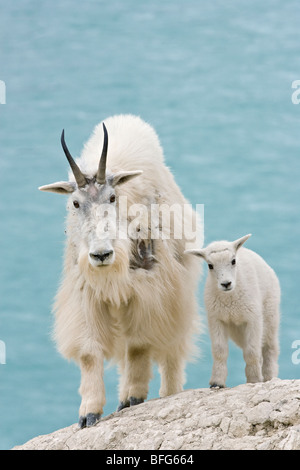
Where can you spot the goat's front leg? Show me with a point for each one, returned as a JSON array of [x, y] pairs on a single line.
[[91, 388], [219, 339], [252, 351], [135, 376]]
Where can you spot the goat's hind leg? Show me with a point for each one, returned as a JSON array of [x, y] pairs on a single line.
[[270, 353], [270, 349], [171, 368], [135, 377]]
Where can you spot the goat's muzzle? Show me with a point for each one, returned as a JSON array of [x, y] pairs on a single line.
[[102, 258]]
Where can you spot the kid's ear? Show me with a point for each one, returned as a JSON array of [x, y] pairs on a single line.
[[61, 187], [240, 241], [200, 253], [124, 176]]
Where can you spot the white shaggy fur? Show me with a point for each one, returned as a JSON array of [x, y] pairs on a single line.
[[130, 316], [242, 297]]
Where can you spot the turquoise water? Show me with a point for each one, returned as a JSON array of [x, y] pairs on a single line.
[[214, 78]]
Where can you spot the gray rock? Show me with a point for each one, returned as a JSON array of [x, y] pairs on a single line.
[[264, 416]]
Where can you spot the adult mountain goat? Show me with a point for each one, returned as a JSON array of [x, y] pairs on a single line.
[[126, 295]]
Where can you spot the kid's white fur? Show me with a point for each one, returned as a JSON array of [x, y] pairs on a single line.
[[242, 298]]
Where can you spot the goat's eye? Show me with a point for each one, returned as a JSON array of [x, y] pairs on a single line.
[[210, 266], [233, 262], [76, 204], [112, 198]]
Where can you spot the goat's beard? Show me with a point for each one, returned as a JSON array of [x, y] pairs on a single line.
[[111, 283]]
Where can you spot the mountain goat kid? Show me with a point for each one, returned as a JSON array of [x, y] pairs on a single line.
[[242, 297], [126, 298]]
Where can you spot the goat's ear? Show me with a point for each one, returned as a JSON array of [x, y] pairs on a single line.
[[124, 176], [200, 253], [61, 187], [240, 241]]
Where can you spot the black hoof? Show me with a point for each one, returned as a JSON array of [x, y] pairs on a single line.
[[123, 404], [216, 386], [89, 420], [82, 422], [92, 418], [131, 402], [135, 401]]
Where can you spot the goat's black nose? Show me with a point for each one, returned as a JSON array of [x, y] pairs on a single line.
[[226, 284], [101, 256]]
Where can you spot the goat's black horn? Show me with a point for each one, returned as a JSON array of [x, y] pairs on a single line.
[[100, 178], [79, 177]]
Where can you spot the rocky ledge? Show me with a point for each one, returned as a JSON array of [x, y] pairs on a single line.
[[263, 416]]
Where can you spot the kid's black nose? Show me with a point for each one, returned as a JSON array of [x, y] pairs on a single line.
[[226, 284]]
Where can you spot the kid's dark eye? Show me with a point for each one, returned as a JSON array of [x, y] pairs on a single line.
[[210, 266], [233, 262], [76, 204], [112, 198]]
